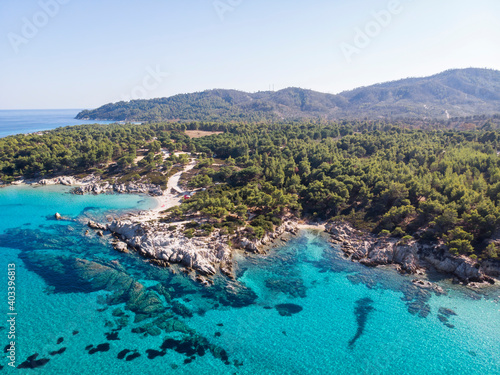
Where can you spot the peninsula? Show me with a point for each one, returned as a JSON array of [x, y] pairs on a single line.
[[417, 198]]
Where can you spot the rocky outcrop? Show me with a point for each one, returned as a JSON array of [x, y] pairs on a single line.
[[258, 245], [92, 184], [410, 256], [93, 225], [388, 252], [462, 267], [68, 180], [425, 284], [130, 188], [156, 241], [491, 267], [120, 246]]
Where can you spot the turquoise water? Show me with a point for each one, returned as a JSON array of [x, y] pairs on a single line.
[[30, 121], [302, 309]]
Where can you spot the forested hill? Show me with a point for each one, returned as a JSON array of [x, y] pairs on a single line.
[[454, 93]]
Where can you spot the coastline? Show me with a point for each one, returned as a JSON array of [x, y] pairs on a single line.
[[275, 266], [412, 258]]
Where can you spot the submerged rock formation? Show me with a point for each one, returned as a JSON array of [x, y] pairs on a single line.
[[288, 309], [364, 307], [410, 257], [67, 274]]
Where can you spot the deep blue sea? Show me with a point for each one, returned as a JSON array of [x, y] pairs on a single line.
[[30, 121], [302, 309]]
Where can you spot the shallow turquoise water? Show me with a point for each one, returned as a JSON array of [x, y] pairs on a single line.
[[341, 302]]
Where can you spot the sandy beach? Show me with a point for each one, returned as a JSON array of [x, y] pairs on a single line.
[[171, 197]]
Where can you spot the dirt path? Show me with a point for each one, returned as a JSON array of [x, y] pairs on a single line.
[[172, 196], [173, 182]]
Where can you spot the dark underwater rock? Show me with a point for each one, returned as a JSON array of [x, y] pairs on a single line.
[[162, 319], [32, 362], [122, 322], [359, 278], [68, 275], [181, 309], [161, 290], [118, 312], [288, 309], [133, 356], [112, 336], [149, 329], [152, 353], [419, 307], [100, 348], [446, 312], [140, 317], [60, 351], [235, 294], [442, 318], [417, 298], [194, 346], [174, 325], [424, 311], [123, 353], [362, 311], [293, 287]]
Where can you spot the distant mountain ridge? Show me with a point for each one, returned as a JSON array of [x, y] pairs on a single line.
[[453, 93]]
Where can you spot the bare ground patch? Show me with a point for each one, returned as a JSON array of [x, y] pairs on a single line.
[[200, 133]]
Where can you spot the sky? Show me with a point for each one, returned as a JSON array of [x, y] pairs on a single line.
[[83, 54]]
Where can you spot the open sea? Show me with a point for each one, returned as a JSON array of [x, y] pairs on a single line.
[[29, 121], [82, 308]]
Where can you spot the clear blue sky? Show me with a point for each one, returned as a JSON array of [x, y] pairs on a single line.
[[88, 53]]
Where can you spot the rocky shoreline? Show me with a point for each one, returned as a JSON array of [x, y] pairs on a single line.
[[410, 257], [260, 246], [164, 244], [129, 188], [93, 184], [60, 180]]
